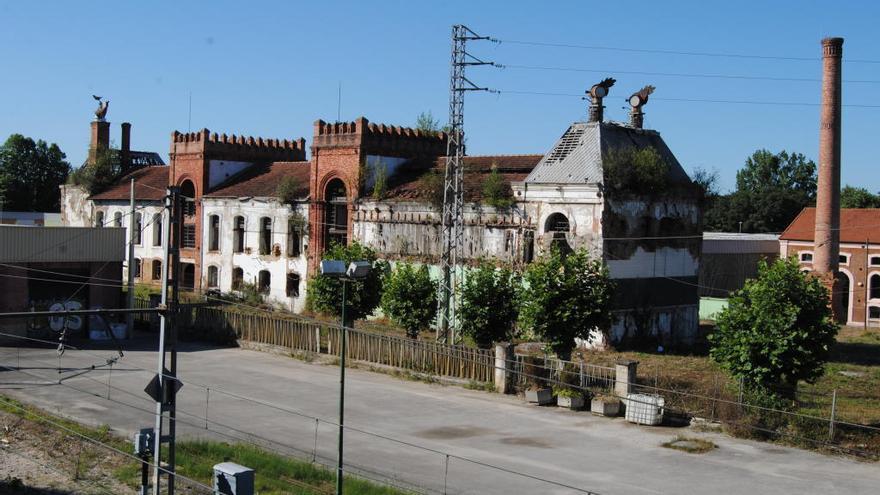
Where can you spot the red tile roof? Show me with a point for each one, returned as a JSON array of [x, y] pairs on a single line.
[[407, 182], [149, 185], [263, 180], [856, 225]]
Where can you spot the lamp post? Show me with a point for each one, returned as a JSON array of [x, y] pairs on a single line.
[[357, 270]]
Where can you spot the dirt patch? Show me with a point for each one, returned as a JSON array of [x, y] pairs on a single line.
[[690, 445], [452, 432], [527, 442]]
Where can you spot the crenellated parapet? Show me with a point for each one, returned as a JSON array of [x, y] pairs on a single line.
[[232, 147], [379, 139]]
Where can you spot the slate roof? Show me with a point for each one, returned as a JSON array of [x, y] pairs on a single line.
[[576, 158], [408, 181], [149, 185], [261, 180], [856, 225]]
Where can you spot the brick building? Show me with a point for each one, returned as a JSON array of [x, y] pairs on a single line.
[[857, 295]]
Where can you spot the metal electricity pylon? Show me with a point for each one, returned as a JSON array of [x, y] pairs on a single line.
[[453, 189]]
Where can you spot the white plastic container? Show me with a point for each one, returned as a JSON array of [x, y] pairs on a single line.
[[644, 409]]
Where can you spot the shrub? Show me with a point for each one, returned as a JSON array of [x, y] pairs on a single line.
[[362, 296], [288, 190], [488, 305], [410, 298], [635, 171], [496, 190], [99, 175], [566, 297]]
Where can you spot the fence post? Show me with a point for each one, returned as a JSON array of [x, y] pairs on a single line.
[[833, 410], [503, 365], [625, 372]]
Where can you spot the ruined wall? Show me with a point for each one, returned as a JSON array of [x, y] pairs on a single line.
[[76, 208]]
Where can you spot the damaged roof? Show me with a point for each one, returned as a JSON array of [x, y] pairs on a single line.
[[261, 180], [150, 183], [576, 158]]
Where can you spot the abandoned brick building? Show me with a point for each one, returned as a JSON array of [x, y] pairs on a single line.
[[382, 186]]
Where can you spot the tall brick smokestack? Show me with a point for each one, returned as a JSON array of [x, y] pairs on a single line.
[[827, 245]]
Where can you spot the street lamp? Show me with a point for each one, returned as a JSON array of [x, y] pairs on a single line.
[[357, 270]]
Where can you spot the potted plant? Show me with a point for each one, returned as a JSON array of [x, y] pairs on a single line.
[[605, 405], [537, 392], [569, 398]]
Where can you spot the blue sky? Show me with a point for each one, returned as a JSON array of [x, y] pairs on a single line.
[[272, 68]]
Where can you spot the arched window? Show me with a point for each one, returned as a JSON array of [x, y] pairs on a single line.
[[264, 281], [238, 234], [237, 278], [807, 257], [558, 227], [188, 195], [875, 286], [336, 214], [117, 219], [99, 218], [294, 236], [188, 280], [214, 233], [157, 229], [157, 269], [293, 284], [138, 228], [136, 266], [213, 277], [265, 235]]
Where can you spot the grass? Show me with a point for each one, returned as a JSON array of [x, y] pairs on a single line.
[[691, 445], [275, 473]]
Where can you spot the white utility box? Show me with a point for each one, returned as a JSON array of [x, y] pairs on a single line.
[[644, 409]]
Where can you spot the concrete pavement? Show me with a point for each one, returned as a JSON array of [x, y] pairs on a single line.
[[571, 449]]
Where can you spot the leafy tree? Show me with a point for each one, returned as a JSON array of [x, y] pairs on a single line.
[[496, 190], [858, 197], [635, 171], [31, 173], [362, 296], [100, 174], [566, 297], [288, 190], [410, 298], [776, 330], [488, 305], [770, 191]]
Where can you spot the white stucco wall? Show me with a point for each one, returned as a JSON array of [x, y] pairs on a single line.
[[250, 261]]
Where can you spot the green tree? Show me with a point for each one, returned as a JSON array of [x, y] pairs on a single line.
[[289, 190], [410, 298], [100, 174], [771, 189], [635, 171], [858, 197], [776, 330], [362, 296], [496, 190], [566, 297], [427, 123], [31, 173], [488, 307]]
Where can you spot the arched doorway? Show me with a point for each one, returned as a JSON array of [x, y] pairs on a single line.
[[335, 213], [188, 194], [841, 299], [188, 277], [557, 228]]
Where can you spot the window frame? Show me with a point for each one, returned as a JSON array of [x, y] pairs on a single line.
[[214, 224], [802, 254], [295, 291], [215, 271]]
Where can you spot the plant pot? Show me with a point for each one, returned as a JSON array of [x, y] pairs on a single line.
[[573, 403], [541, 396], [605, 407]]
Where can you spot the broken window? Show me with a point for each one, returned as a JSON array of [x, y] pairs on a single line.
[[264, 281], [265, 235], [238, 235], [117, 219], [189, 236], [136, 266], [294, 237], [293, 284], [336, 216], [213, 277], [237, 278], [157, 269], [99, 219], [214, 233]]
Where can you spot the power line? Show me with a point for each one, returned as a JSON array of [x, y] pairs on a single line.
[[675, 52]]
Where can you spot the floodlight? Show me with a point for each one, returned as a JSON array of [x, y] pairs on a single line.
[[332, 268], [358, 269]]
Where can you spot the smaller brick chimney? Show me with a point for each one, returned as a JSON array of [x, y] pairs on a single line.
[[126, 146], [100, 139], [636, 101], [595, 95]]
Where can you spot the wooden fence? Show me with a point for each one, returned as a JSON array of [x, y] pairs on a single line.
[[304, 334]]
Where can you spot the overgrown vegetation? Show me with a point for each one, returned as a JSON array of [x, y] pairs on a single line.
[[99, 175], [410, 298], [288, 190], [691, 445], [635, 171], [489, 304], [496, 190], [776, 331], [566, 297], [380, 181], [431, 186], [362, 296]]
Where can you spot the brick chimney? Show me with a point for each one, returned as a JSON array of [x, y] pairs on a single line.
[[126, 146], [636, 101], [100, 138], [596, 94], [826, 251]]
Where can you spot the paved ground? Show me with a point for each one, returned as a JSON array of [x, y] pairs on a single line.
[[575, 449]]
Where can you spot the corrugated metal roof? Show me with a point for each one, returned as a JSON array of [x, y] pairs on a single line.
[[737, 243], [22, 244], [582, 162]]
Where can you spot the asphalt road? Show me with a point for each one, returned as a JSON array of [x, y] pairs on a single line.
[[422, 424]]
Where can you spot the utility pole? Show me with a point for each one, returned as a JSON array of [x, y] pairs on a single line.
[[453, 190], [166, 375], [129, 319]]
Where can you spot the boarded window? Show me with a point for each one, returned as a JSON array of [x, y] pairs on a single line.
[[214, 233], [237, 278], [264, 281], [238, 235], [213, 277], [265, 235], [293, 285]]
